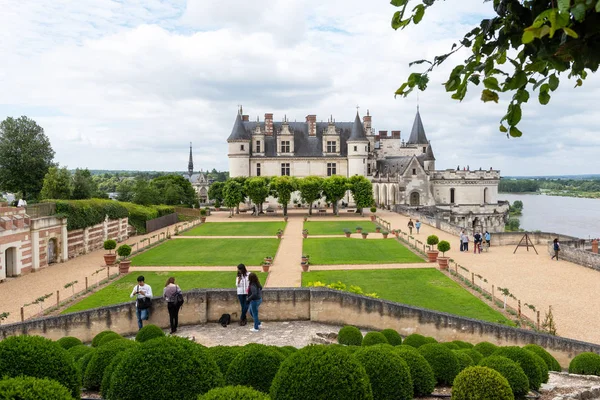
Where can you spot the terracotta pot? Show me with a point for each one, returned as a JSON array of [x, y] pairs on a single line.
[[305, 219], [124, 266], [378, 229], [348, 234], [203, 219], [304, 235], [109, 259], [385, 235], [364, 235], [279, 236], [265, 267], [432, 255], [443, 262], [373, 217], [358, 230], [304, 267]]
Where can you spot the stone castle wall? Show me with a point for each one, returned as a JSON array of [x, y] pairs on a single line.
[[83, 241]]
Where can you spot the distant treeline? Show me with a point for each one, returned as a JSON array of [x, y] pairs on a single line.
[[508, 185]]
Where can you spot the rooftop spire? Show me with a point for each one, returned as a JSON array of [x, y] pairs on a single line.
[[358, 131], [190, 163], [239, 130], [417, 134]]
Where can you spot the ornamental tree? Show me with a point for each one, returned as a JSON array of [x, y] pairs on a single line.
[[310, 190], [362, 191], [232, 195], [334, 189], [283, 187], [257, 189], [57, 184]]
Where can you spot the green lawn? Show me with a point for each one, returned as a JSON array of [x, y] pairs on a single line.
[[337, 227], [236, 229], [421, 287], [119, 291], [328, 251], [206, 252]]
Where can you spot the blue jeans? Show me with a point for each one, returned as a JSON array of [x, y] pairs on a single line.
[[242, 298], [254, 304], [142, 315]]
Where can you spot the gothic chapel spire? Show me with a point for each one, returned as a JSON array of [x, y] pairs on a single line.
[[190, 163]]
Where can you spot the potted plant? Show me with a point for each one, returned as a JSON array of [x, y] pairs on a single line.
[[358, 229], [217, 205], [203, 215], [304, 233], [443, 246], [279, 233], [285, 218], [124, 251], [432, 254], [268, 259], [385, 234], [305, 219], [305, 258], [397, 232], [110, 258], [365, 234], [266, 265], [373, 210], [378, 229], [304, 265], [347, 232]]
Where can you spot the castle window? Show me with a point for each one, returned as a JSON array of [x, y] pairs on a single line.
[[285, 169], [369, 147], [368, 169], [258, 169], [258, 146], [331, 169], [414, 171], [452, 196], [424, 149], [355, 148], [241, 147], [285, 146], [331, 146]]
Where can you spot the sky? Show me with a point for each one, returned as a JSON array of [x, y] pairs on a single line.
[[128, 84]]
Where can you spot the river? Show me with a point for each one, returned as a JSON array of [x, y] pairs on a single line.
[[571, 216]]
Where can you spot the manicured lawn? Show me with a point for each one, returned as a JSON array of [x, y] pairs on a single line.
[[337, 227], [206, 252], [236, 229], [421, 287], [325, 251], [119, 291]]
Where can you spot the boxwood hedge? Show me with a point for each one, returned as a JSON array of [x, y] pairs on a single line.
[[464, 360], [543, 367], [512, 371], [107, 375], [443, 361], [149, 332], [392, 336], [485, 348], [99, 337], [79, 351], [109, 337], [388, 373], [373, 338], [420, 371], [526, 360], [350, 336], [450, 345], [68, 341], [475, 355], [92, 376], [551, 362], [481, 383], [585, 364], [463, 345], [30, 388], [416, 340], [234, 393], [254, 366], [224, 355]]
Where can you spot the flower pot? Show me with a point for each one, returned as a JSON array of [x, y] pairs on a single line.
[[203, 219], [348, 234], [304, 267], [217, 208], [397, 234], [385, 235], [432, 255], [124, 266], [265, 267], [443, 262], [268, 259], [305, 219], [305, 235], [358, 230], [279, 236], [304, 259], [364, 235], [109, 259], [378, 229], [373, 218]]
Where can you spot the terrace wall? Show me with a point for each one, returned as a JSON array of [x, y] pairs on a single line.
[[83, 241]]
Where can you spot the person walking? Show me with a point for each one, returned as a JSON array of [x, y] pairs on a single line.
[[143, 293], [254, 299], [477, 243], [461, 239], [410, 225], [170, 295], [488, 239], [241, 282], [556, 247], [418, 226], [465, 242]]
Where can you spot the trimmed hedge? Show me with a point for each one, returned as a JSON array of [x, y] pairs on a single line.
[[464, 360], [512, 371], [82, 364], [416, 340], [149, 332], [99, 337], [388, 373], [543, 367], [255, 366], [443, 361], [79, 351], [84, 213], [105, 391], [463, 345], [168, 368], [288, 349], [350, 336], [475, 355], [392, 336], [321, 372], [485, 348], [551, 362], [234, 393], [585, 364], [40, 358], [69, 341], [109, 337], [92, 376], [420, 371], [481, 383], [450, 345], [526, 360], [138, 214], [224, 355], [30, 388], [373, 338]]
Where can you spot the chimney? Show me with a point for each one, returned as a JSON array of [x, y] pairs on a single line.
[[367, 123], [269, 124], [18, 222], [383, 134], [245, 118], [311, 120], [395, 134]]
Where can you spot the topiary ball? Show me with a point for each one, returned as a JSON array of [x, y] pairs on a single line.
[[79, 351], [509, 369], [485, 348], [526, 361], [373, 338], [224, 355], [254, 366], [443, 361], [475, 355], [481, 383], [82, 364], [350, 336], [149, 332], [551, 362], [38, 357], [99, 336], [415, 340], [429, 339], [100, 359], [69, 341], [30, 388], [106, 377], [463, 345], [190, 369], [109, 337], [287, 350], [388, 373], [543, 367], [321, 372], [585, 364], [392, 336], [234, 393], [464, 360], [420, 371], [450, 345]]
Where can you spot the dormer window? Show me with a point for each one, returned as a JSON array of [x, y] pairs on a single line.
[[414, 171], [258, 146], [331, 147], [285, 146], [424, 149]]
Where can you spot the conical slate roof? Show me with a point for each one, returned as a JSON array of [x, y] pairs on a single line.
[[239, 131], [417, 135], [429, 154], [358, 131], [191, 162]]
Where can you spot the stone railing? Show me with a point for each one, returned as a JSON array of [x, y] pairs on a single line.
[[314, 304]]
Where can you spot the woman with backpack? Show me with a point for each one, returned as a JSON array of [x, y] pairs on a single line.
[[241, 282], [174, 297], [254, 299], [556, 247]]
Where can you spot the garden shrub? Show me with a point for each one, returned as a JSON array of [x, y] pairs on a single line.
[[429, 339], [585, 364], [30, 388], [415, 340], [485, 348], [551, 362], [254, 366], [92, 375], [109, 337], [421, 372], [84, 213], [388, 373], [234, 393], [463, 345], [189, 367], [138, 214], [450, 345], [223, 356], [289, 349], [79, 351], [40, 358], [83, 362], [475, 355], [373, 338], [105, 385], [481, 383], [69, 341], [99, 337], [350, 336], [321, 372], [464, 360], [526, 361], [149, 332], [543, 367], [392, 336], [443, 361], [512, 371]]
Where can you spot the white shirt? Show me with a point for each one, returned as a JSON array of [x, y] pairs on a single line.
[[242, 283], [145, 288]]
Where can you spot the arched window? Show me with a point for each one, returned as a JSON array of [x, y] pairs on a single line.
[[452, 196], [485, 196]]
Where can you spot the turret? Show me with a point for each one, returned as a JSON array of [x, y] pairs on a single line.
[[358, 146], [417, 134], [429, 160], [239, 143]]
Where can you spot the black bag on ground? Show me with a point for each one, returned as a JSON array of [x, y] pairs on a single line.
[[225, 320]]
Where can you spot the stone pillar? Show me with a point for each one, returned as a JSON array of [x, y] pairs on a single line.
[[595, 246], [65, 240], [105, 228], [35, 250], [86, 234]]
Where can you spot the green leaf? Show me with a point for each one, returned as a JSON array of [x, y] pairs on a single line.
[[522, 96], [578, 11], [491, 83], [452, 84], [397, 19], [571, 32], [517, 81], [419, 13], [503, 129], [544, 98], [400, 3], [513, 117], [598, 7], [488, 95], [553, 82], [502, 58], [474, 79], [563, 5], [401, 89], [515, 132]]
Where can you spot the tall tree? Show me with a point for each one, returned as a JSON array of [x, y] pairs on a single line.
[[215, 192], [284, 186], [232, 195], [126, 190], [334, 189], [144, 193], [540, 39], [84, 187], [25, 156], [57, 184], [362, 192], [257, 189], [174, 190], [310, 190], [242, 181]]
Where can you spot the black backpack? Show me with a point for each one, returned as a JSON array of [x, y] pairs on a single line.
[[225, 320]]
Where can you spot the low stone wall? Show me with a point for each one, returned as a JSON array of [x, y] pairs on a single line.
[[577, 252], [83, 241], [314, 304]]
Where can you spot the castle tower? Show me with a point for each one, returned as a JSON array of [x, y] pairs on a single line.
[[239, 143], [429, 160], [190, 163], [417, 134], [358, 146]]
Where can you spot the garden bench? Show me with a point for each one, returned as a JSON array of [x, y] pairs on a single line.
[[350, 210], [322, 211]]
